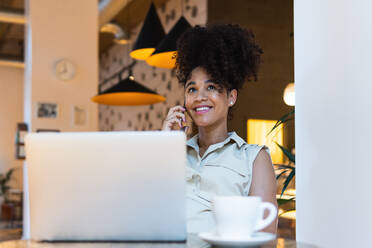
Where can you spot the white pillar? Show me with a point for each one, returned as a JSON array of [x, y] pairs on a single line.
[[333, 52], [58, 30]]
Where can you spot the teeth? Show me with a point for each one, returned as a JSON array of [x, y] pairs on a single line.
[[202, 109]]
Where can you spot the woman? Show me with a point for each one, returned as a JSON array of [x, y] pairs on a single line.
[[213, 63]]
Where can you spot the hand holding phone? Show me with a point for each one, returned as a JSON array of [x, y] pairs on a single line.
[[178, 119], [175, 119]]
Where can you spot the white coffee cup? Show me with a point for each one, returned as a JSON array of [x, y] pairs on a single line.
[[241, 216]]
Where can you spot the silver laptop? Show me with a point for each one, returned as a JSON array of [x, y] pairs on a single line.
[[107, 186]]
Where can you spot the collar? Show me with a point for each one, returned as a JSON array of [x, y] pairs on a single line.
[[232, 136]]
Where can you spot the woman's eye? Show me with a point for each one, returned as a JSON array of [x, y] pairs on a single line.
[[211, 87], [191, 90]]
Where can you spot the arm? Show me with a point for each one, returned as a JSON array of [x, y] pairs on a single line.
[[264, 183]]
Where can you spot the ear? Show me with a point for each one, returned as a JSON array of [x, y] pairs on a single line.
[[233, 94]]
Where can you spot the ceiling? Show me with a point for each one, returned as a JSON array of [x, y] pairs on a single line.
[[128, 18], [12, 35]]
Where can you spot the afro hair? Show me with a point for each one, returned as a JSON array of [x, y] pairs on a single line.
[[227, 52]]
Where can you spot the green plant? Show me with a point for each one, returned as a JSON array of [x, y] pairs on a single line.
[[4, 180], [286, 170]]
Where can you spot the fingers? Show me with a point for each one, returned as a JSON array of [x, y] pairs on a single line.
[[175, 109], [172, 123], [177, 115], [174, 118]]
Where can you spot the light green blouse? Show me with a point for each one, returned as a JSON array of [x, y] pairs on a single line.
[[224, 169]]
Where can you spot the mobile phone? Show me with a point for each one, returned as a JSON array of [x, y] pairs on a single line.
[[186, 125]]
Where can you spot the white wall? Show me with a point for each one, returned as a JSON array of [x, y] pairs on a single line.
[[61, 29], [11, 112], [333, 51]]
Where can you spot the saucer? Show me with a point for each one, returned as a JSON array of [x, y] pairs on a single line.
[[258, 238]]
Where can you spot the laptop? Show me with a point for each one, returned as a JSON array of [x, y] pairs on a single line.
[[107, 186]]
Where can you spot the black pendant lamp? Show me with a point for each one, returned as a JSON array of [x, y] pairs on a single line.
[[128, 92], [166, 52], [151, 34]]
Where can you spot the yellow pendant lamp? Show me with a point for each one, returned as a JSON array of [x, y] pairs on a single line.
[[128, 92], [166, 52], [151, 34]]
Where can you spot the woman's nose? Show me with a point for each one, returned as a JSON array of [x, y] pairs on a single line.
[[201, 95]]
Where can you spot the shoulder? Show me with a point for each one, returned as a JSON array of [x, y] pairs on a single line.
[[262, 163], [250, 151], [263, 175], [263, 155], [254, 151], [263, 171]]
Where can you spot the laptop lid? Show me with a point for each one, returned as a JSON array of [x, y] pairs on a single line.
[[107, 185]]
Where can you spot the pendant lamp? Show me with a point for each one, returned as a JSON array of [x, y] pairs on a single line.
[[120, 36], [166, 52], [128, 92], [151, 34]]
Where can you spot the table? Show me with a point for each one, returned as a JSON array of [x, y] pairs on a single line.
[[192, 242]]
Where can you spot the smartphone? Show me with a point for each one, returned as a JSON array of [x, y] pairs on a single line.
[[186, 125]]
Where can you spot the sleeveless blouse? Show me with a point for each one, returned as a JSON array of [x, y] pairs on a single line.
[[224, 169]]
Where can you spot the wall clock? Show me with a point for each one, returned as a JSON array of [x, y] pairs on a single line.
[[65, 69]]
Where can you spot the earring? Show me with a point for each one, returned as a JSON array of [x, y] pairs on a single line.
[[231, 103]]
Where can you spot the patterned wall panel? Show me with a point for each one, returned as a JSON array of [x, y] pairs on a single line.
[[163, 81]]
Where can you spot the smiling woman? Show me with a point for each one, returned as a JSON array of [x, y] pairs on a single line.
[[213, 63]]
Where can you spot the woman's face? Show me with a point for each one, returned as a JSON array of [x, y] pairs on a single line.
[[207, 102]]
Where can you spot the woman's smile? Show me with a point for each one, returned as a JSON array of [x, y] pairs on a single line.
[[202, 109]]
